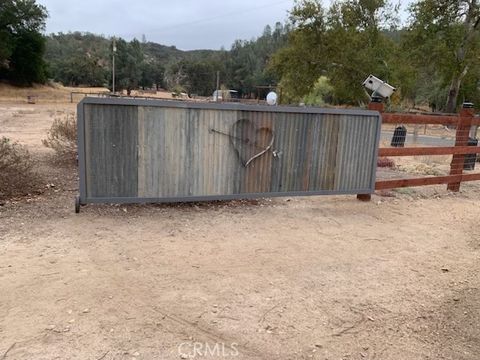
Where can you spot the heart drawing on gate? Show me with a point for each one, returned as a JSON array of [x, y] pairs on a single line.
[[250, 142]]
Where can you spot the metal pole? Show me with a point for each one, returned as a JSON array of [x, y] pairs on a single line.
[[113, 65]]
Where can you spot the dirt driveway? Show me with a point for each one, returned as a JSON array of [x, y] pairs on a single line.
[[300, 278]]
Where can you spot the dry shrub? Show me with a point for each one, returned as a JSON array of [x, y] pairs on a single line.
[[421, 169], [17, 177], [385, 162], [62, 138]]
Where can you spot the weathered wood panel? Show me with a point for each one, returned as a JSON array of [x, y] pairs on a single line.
[[169, 150], [253, 133], [354, 137], [111, 135]]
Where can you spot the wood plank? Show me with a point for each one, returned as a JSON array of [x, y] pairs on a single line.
[[438, 119], [257, 176], [142, 163], [112, 141], [325, 153], [388, 118], [475, 121], [434, 180], [355, 158], [430, 150]]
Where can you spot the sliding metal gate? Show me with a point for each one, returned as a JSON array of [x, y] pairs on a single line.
[[142, 151]]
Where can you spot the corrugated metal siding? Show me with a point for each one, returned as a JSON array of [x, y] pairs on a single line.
[[170, 150], [111, 151]]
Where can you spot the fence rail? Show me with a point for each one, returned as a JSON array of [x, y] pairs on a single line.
[[463, 122], [390, 118], [85, 94], [433, 180], [428, 150]]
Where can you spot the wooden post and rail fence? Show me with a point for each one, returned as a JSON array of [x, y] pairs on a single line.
[[463, 122]]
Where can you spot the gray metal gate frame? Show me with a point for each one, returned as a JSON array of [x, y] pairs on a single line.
[[82, 198]]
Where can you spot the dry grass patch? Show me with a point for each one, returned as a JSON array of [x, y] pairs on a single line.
[[17, 177], [53, 93], [62, 138]]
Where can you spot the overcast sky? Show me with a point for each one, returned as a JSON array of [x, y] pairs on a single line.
[[187, 24]]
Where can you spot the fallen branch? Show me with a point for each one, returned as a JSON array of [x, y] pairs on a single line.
[[8, 350], [103, 356], [262, 319]]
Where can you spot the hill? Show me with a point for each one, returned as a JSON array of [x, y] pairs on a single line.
[[85, 59]]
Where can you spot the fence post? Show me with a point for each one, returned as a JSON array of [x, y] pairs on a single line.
[[376, 105], [461, 139]]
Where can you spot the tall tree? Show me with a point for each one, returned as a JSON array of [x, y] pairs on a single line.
[[21, 43], [26, 62], [130, 58], [446, 34], [195, 77], [246, 66], [346, 43], [78, 59], [301, 62], [152, 73]]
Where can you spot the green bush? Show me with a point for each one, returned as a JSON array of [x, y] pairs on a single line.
[[321, 93]]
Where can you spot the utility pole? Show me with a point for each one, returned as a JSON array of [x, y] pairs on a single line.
[[113, 65], [218, 85]]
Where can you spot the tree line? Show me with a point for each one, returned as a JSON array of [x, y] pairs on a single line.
[[22, 44], [434, 59], [321, 55], [86, 59]]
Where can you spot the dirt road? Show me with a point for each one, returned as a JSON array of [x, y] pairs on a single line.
[[301, 278]]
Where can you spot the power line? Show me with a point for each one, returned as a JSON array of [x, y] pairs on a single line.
[[206, 20]]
